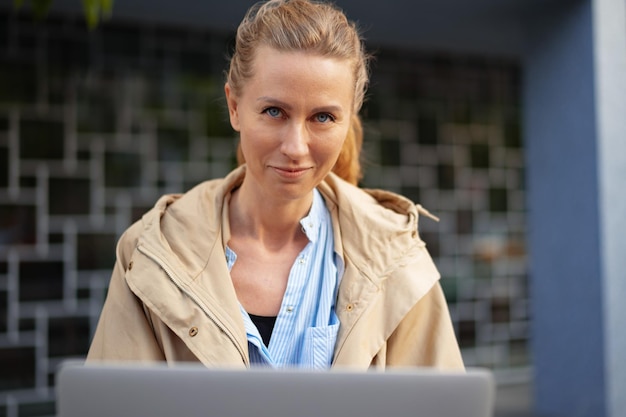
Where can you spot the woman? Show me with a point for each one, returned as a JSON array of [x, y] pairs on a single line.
[[284, 262]]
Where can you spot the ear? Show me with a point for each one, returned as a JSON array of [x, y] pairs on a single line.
[[231, 101]]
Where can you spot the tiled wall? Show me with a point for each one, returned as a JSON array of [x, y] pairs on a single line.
[[445, 131], [95, 126]]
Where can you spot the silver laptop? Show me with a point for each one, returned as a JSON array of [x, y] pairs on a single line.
[[126, 390]]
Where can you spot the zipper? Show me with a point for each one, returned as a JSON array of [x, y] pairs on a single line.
[[176, 281]]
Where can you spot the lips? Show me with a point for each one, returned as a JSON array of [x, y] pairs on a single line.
[[290, 172]]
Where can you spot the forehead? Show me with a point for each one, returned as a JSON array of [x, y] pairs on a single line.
[[301, 72]]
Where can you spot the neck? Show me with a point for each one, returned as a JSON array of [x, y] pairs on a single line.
[[274, 224]]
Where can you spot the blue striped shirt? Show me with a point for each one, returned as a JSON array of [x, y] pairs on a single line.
[[306, 326]]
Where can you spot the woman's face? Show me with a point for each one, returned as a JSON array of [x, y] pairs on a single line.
[[293, 116]]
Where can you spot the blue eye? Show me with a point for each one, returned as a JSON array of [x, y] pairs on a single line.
[[324, 117], [273, 111]]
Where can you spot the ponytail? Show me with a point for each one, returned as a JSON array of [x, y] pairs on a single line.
[[348, 165]]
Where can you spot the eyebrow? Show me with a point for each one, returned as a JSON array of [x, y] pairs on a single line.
[[278, 103]]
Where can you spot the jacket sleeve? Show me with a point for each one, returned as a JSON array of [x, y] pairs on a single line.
[[124, 330], [425, 337]]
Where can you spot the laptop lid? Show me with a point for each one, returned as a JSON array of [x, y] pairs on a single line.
[[193, 391]]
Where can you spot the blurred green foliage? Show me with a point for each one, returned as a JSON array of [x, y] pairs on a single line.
[[94, 10]]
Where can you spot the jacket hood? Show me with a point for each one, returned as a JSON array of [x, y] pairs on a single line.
[[189, 224], [382, 226], [376, 229]]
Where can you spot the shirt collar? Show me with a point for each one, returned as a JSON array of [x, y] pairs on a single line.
[[312, 222]]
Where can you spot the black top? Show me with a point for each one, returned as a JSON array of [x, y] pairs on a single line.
[[265, 325]]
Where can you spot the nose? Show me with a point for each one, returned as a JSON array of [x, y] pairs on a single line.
[[295, 142]]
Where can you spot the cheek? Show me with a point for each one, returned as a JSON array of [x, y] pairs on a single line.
[[331, 148], [254, 141]]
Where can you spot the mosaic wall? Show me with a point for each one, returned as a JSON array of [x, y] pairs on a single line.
[[95, 126], [445, 132]]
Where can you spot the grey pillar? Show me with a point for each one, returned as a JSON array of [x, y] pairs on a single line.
[[610, 65], [575, 129]]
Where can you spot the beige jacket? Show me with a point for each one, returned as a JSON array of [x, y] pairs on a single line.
[[171, 297]]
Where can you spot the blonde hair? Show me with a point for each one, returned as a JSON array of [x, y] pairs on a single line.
[[305, 25]]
